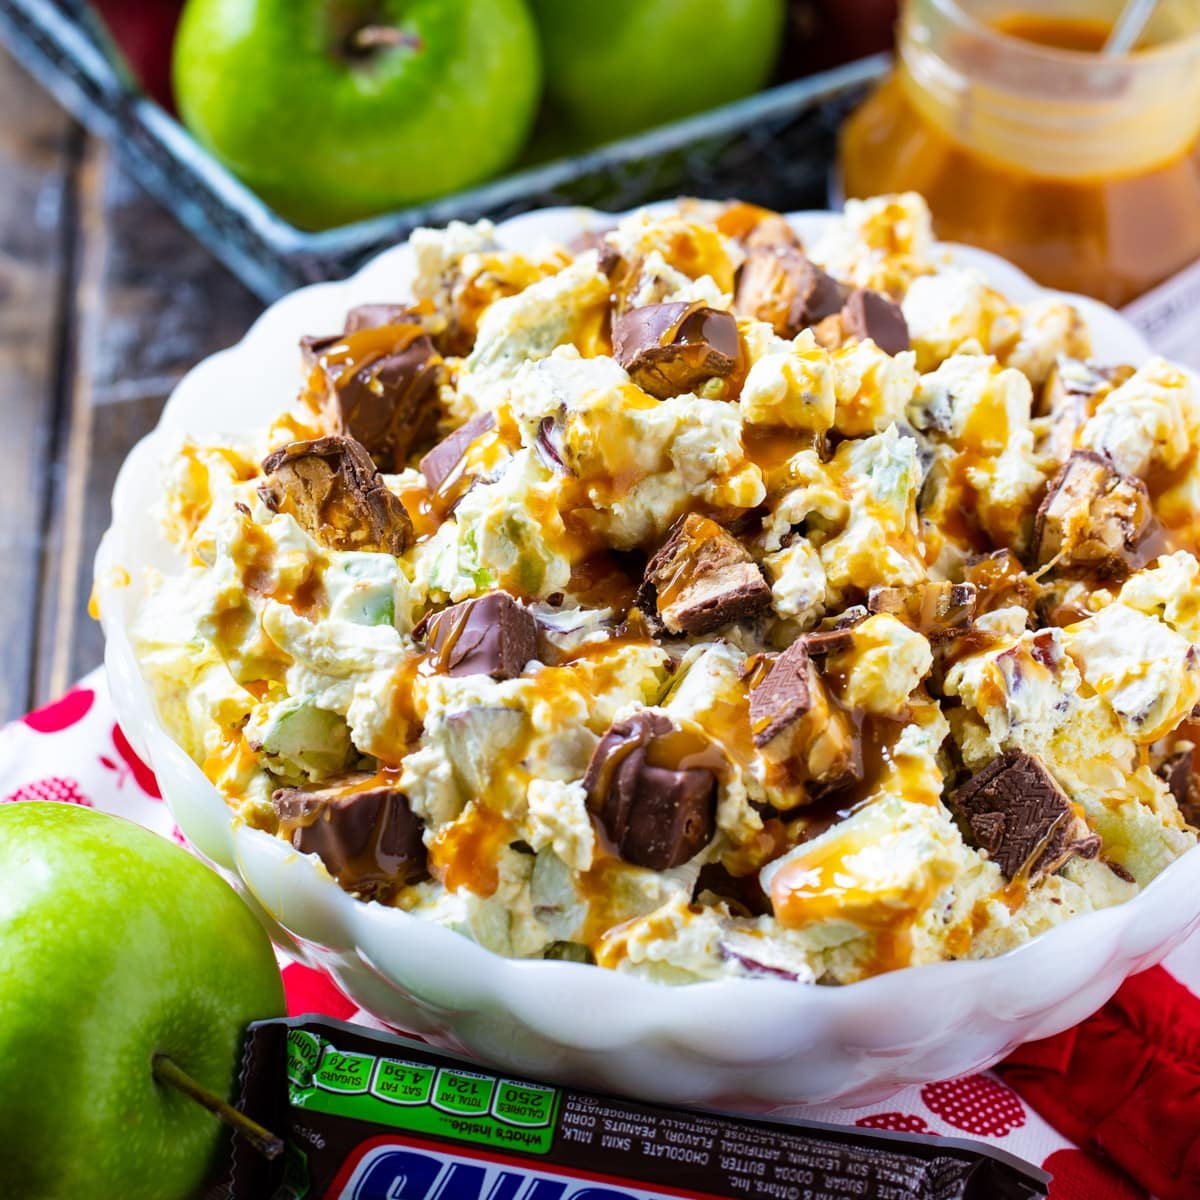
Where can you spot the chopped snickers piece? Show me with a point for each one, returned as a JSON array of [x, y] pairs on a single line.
[[372, 316], [1000, 581], [742, 893], [656, 813], [752, 225], [332, 489], [361, 828], [312, 347], [779, 285], [773, 231], [669, 349], [595, 239], [821, 643], [494, 635], [1071, 395], [702, 578], [1093, 518], [1182, 773], [868, 314], [835, 635], [440, 463], [377, 384], [793, 722], [938, 610], [1015, 810], [784, 695]]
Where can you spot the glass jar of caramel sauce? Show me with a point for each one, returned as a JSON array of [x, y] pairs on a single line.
[[1082, 169]]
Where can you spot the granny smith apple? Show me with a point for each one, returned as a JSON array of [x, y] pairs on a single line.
[[616, 66], [337, 109], [115, 947]]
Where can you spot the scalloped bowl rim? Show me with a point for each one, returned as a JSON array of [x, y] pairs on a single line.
[[544, 994]]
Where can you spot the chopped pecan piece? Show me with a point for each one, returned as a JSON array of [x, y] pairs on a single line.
[[332, 489], [376, 384], [1015, 810], [657, 813], [673, 348], [702, 578], [778, 284], [361, 828], [1093, 518], [938, 610], [494, 635]]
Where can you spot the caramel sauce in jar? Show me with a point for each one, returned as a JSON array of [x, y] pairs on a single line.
[[1082, 170]]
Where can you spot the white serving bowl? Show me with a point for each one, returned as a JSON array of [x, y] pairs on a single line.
[[749, 1043]]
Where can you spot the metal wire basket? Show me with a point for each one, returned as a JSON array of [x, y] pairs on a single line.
[[774, 148]]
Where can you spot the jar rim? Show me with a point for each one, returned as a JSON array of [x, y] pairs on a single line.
[[1180, 47]]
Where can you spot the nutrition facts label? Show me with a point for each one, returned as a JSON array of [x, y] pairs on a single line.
[[405, 1094]]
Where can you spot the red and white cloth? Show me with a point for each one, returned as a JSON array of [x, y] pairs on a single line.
[[1111, 1108]]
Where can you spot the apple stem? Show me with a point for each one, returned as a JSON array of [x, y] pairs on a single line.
[[382, 37], [168, 1072]]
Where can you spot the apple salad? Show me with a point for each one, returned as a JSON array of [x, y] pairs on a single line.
[[697, 603]]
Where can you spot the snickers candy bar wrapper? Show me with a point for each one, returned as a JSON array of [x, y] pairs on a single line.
[[370, 1116]]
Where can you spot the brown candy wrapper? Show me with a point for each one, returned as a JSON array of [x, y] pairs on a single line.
[[368, 1116]]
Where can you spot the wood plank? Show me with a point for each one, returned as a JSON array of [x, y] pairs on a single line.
[[151, 302], [38, 148]]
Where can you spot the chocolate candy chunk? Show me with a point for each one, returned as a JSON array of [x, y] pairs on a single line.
[[772, 231], [361, 828], [1093, 518], [1183, 778], [312, 347], [440, 463], [785, 695], [702, 578], [1072, 394], [493, 635], [334, 492], [669, 349], [1015, 810], [938, 610], [377, 384], [793, 722], [823, 642], [867, 314], [594, 239], [372, 316], [1001, 582], [778, 284], [657, 815]]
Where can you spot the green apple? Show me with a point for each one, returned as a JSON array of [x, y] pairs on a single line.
[[334, 110], [614, 67], [115, 947]]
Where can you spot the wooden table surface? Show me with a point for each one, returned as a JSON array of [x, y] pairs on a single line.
[[104, 303]]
